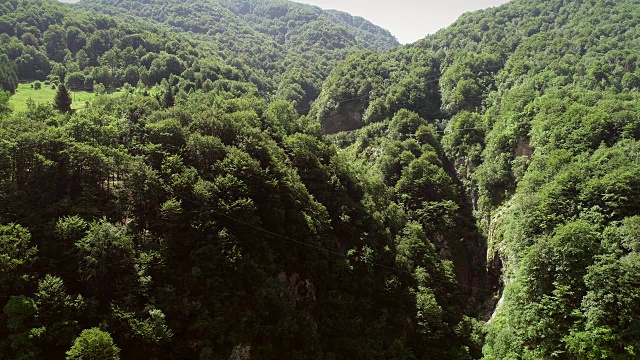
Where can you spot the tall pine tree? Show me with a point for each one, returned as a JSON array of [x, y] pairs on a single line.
[[62, 100], [169, 98], [8, 74]]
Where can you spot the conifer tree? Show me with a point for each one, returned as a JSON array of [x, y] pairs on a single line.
[[169, 98], [62, 101]]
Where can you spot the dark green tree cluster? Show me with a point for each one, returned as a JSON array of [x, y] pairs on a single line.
[[407, 167], [8, 74], [62, 101], [223, 224]]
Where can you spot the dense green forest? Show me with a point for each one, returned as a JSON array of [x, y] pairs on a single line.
[[285, 49], [276, 181], [289, 48], [196, 214], [538, 104]]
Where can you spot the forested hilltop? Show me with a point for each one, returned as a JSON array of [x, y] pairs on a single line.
[[285, 49], [538, 106], [289, 47]]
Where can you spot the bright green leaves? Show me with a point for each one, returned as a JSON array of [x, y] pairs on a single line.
[[58, 312], [464, 137], [280, 119], [423, 181], [16, 258], [429, 312], [167, 132], [405, 124], [413, 250], [617, 281], [106, 258], [561, 261], [94, 344], [44, 324], [466, 82], [371, 89], [150, 329], [608, 315]]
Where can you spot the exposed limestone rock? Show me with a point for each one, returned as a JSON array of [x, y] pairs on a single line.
[[241, 352], [524, 148], [297, 289], [346, 117]]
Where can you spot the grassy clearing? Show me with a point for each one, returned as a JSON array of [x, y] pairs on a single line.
[[46, 94]]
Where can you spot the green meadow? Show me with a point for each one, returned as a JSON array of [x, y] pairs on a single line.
[[46, 94]]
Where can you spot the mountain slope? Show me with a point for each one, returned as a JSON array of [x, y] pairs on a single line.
[[194, 216], [295, 45], [537, 101], [48, 40], [219, 225]]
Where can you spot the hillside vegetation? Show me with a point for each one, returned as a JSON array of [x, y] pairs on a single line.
[[48, 39], [538, 105], [275, 181], [288, 48], [201, 218]]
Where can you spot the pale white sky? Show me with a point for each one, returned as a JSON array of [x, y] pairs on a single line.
[[408, 20]]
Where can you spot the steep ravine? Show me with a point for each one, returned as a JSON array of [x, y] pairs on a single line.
[[463, 242], [482, 275]]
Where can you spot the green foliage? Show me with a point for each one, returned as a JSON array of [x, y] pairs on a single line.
[[4, 102], [152, 331], [371, 88], [280, 119], [75, 81], [168, 99], [537, 104], [94, 344], [214, 214], [20, 312], [57, 315], [282, 47], [418, 201], [16, 257], [8, 74], [199, 215], [106, 258]]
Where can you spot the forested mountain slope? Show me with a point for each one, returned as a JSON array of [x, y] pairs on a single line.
[[193, 216], [200, 214], [217, 226], [285, 49], [539, 108], [48, 40], [294, 46]]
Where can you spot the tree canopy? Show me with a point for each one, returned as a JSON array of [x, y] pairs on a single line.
[[277, 181]]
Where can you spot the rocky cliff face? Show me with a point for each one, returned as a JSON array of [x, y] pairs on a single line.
[[346, 117]]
